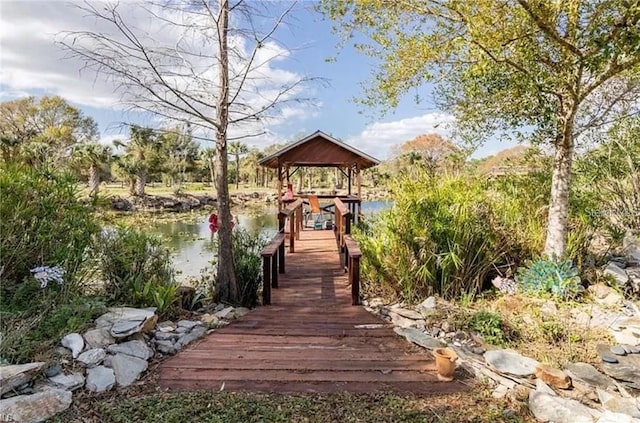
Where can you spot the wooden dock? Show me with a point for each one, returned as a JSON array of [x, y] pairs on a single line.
[[310, 339]]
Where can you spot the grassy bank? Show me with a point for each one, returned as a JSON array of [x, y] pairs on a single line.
[[475, 405]]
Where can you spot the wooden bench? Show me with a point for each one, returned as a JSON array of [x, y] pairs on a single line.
[[272, 264], [352, 261]]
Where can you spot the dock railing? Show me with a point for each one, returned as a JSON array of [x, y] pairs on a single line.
[[273, 254], [349, 248]]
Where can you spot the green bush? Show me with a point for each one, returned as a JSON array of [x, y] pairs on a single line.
[[136, 269], [550, 277], [248, 264], [437, 238], [492, 327], [42, 223]]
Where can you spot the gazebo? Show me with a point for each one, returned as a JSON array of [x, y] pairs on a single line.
[[321, 150]]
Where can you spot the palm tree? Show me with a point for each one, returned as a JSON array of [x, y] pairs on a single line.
[[93, 157], [209, 155], [237, 149], [140, 151]]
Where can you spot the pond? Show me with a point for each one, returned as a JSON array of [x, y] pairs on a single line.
[[192, 243]]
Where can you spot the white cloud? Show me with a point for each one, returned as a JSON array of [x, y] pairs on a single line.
[[378, 138], [31, 61]]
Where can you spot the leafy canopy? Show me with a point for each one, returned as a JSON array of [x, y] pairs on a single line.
[[504, 64]]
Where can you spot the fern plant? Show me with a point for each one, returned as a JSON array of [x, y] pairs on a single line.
[[558, 278]]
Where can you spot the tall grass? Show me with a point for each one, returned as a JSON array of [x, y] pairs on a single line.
[[136, 269], [449, 235], [248, 264], [434, 240]]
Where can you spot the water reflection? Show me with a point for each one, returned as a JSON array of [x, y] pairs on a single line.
[[194, 245]]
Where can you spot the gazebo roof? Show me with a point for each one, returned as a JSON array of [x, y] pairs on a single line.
[[319, 150]]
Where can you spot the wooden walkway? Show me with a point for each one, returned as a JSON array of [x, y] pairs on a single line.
[[311, 339]]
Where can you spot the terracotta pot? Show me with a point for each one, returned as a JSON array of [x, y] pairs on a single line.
[[445, 363]]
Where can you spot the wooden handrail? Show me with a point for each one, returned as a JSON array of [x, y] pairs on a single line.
[[341, 207], [343, 222], [293, 212], [291, 207], [352, 261], [272, 264]]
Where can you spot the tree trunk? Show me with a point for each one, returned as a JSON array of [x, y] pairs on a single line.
[[237, 172], [226, 289], [556, 242], [212, 171], [94, 180], [132, 186], [141, 182]]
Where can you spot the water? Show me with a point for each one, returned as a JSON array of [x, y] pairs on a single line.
[[193, 245]]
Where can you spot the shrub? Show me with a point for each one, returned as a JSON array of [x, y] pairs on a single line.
[[136, 269], [557, 278], [248, 264], [42, 224], [437, 238], [492, 327]]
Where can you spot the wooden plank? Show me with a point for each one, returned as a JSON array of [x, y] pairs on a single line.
[[403, 388], [308, 340], [383, 366], [294, 376]]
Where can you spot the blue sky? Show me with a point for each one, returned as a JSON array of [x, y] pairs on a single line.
[[31, 64]]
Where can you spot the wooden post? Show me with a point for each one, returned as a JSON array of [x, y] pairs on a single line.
[[281, 257], [347, 225], [292, 231], [349, 180], [274, 270], [338, 218], [266, 283], [354, 277], [359, 181], [298, 214], [279, 193], [345, 259]]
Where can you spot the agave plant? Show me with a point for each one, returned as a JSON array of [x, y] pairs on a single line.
[[558, 278]]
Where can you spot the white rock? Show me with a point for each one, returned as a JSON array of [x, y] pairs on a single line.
[[188, 324], [100, 379], [167, 326], [92, 357], [428, 304], [609, 417], [549, 308], [74, 342], [224, 313], [70, 382], [239, 312], [135, 348], [98, 338], [13, 376], [509, 361], [631, 247], [409, 314], [617, 404], [165, 347], [35, 408], [118, 314], [500, 392], [126, 328], [401, 321], [188, 338], [549, 408], [544, 388], [127, 369], [618, 274]]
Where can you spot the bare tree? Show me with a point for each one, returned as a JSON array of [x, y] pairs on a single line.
[[196, 68]]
